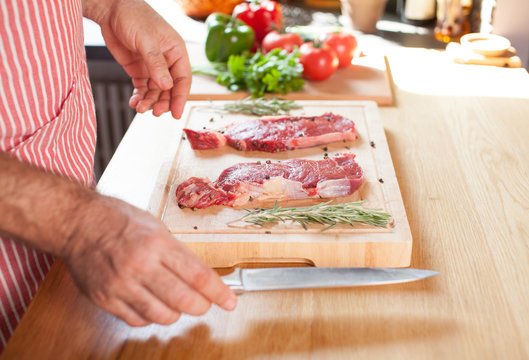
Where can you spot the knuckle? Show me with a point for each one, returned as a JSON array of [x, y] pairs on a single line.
[[185, 301], [201, 277], [100, 297], [134, 262], [143, 308], [155, 56]]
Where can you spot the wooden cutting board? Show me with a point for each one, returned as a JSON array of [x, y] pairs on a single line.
[[368, 79], [221, 241]]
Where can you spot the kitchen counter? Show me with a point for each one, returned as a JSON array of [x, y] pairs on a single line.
[[458, 139]]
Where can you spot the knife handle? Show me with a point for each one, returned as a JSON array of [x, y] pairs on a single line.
[[234, 281]]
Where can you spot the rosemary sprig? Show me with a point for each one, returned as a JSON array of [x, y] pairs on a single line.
[[323, 213], [261, 106]]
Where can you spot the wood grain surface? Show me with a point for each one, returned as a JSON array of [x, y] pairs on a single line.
[[369, 78], [458, 140], [221, 241]]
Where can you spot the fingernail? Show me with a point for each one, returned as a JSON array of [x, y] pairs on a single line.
[[166, 83], [230, 304]]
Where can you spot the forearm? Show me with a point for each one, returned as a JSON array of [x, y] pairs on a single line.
[[39, 209]]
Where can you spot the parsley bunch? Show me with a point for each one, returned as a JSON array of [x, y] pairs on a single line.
[[275, 72]]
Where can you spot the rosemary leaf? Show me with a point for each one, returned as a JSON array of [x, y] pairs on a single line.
[[260, 106], [324, 213]]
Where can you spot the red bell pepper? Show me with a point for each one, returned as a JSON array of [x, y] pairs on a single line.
[[262, 16]]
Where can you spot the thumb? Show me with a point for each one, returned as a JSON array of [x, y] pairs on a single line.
[[157, 67]]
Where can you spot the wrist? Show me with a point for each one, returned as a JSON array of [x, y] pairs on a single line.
[[98, 10], [96, 220]]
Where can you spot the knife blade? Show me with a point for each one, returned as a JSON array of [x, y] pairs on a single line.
[[244, 280]]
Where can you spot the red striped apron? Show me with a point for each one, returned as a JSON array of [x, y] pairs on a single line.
[[46, 118]]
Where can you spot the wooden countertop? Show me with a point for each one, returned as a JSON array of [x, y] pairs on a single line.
[[458, 139]]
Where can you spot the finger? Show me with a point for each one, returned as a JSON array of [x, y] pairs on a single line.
[[148, 101], [118, 308], [199, 276], [140, 82], [181, 73], [126, 313], [156, 64], [148, 306], [179, 98], [162, 105], [176, 294], [138, 94]]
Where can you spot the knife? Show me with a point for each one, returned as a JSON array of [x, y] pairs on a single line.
[[244, 280]]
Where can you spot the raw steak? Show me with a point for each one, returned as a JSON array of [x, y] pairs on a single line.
[[290, 179], [276, 133]]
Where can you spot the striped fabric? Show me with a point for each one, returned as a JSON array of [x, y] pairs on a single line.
[[46, 118]]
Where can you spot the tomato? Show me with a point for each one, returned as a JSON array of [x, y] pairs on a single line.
[[262, 16], [274, 40], [344, 44], [319, 62]]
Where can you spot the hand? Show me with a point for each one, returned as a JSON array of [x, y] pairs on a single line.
[[150, 51], [127, 263]]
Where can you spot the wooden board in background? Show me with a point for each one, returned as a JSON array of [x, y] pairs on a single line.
[[368, 79], [211, 234]]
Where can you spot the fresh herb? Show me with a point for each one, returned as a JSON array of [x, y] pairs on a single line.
[[323, 213], [276, 72], [260, 106]]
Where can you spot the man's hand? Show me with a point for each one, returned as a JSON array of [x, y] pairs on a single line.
[[126, 262], [150, 51], [121, 257]]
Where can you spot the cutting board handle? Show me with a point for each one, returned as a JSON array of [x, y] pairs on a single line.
[[271, 262]]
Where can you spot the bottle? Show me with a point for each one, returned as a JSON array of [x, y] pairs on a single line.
[[452, 19], [419, 12]]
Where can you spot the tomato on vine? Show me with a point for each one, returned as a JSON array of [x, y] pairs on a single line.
[[344, 44], [286, 41], [319, 61]]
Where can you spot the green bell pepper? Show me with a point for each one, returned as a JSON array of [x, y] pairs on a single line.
[[227, 36]]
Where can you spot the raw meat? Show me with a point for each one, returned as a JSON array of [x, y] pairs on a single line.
[[290, 179], [276, 133]]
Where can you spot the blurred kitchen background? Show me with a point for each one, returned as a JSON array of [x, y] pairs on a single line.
[[400, 23]]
